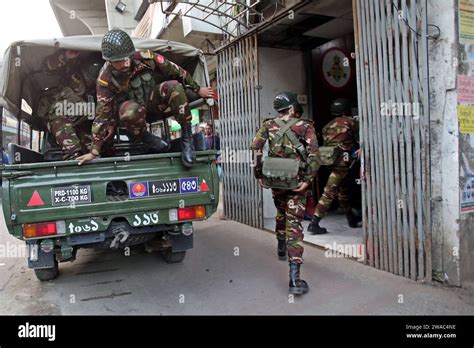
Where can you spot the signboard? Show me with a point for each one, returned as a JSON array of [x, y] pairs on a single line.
[[466, 21], [466, 89], [336, 68], [466, 119]]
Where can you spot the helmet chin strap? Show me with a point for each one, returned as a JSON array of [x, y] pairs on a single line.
[[288, 113]]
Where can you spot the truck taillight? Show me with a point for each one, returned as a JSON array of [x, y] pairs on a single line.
[[196, 212], [39, 229]]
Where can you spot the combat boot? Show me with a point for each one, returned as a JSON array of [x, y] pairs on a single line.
[[297, 286], [353, 220], [314, 227], [188, 156], [154, 143], [307, 216], [282, 249]]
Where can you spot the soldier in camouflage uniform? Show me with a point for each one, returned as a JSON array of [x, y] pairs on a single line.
[[133, 83], [290, 204], [64, 108], [343, 134]]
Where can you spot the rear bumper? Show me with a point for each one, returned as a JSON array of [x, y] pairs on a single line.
[[177, 237]]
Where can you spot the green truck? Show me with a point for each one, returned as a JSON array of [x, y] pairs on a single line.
[[128, 199]]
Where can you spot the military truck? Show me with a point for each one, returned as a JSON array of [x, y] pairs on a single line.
[[128, 199]]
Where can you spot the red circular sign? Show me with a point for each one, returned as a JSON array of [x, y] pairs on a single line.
[[139, 189]]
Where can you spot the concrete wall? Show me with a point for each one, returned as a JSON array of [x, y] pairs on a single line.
[[80, 17], [191, 24], [444, 142], [279, 70], [126, 20]]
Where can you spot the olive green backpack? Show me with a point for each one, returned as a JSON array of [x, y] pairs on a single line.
[[282, 173], [328, 155]]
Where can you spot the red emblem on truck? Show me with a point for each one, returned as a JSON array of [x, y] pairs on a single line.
[[204, 186], [139, 189], [35, 200]]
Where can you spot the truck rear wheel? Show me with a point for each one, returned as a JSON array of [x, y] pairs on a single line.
[[171, 257], [45, 274]]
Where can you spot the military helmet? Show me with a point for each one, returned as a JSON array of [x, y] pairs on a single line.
[[131, 109], [284, 100], [117, 45], [340, 106]]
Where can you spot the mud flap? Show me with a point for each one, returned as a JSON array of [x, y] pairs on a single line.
[[37, 258], [180, 242]]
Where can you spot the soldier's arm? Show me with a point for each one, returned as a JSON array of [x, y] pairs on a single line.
[[173, 71], [313, 160], [257, 146], [103, 119], [57, 61]]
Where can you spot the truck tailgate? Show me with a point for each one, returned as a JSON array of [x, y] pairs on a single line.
[[108, 188]]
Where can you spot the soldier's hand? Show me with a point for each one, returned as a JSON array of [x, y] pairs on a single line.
[[302, 187], [206, 92], [260, 182], [71, 54], [110, 130], [85, 158]]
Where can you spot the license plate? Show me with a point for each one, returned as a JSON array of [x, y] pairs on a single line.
[[188, 185], [71, 195], [82, 226], [145, 219], [164, 187], [173, 187]]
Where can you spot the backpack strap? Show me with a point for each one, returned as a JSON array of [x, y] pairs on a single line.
[[285, 129]]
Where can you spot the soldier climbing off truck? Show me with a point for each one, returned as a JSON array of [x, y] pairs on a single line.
[[141, 81]]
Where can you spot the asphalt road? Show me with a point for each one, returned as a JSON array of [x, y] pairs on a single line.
[[233, 269]]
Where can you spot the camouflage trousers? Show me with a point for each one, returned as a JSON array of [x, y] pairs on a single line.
[[166, 94], [72, 134], [335, 189], [290, 211]]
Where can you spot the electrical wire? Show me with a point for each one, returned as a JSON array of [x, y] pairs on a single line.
[[433, 37]]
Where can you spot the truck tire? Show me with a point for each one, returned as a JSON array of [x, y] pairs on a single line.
[[171, 257], [45, 274]]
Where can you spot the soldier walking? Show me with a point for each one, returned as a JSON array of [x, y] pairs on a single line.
[[133, 83], [340, 136], [290, 139]]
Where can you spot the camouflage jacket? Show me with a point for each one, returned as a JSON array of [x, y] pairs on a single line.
[[72, 88], [342, 132], [69, 71], [57, 62], [304, 130], [111, 90]]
